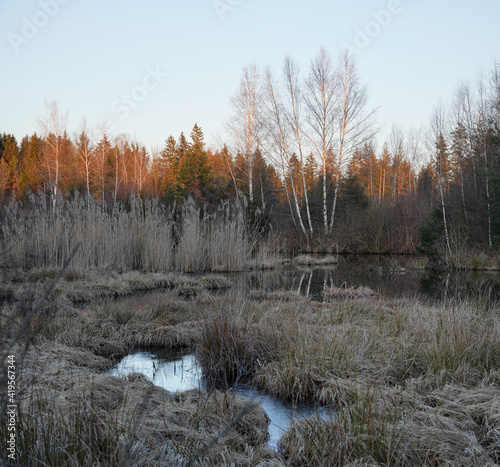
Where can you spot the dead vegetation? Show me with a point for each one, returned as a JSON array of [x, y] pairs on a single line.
[[409, 384], [80, 287], [142, 235], [412, 384], [330, 293], [70, 415], [307, 260]]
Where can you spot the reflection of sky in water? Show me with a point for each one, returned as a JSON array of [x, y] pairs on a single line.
[[185, 373], [178, 375], [280, 413]]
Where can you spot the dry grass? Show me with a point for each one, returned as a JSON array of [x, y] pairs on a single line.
[[471, 260], [141, 235], [113, 330], [69, 415], [330, 293], [279, 296], [418, 263], [377, 430], [412, 384], [98, 284], [306, 260], [230, 350]]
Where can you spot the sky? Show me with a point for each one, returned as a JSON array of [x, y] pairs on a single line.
[[155, 68]]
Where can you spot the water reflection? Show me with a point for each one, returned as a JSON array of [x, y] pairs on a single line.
[[471, 285], [390, 276], [177, 374], [182, 373], [377, 272]]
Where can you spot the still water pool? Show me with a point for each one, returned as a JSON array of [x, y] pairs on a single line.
[[390, 276], [182, 373]]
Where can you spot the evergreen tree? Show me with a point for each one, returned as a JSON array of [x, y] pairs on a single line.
[[311, 172], [197, 139], [352, 196], [169, 164], [11, 157], [194, 172], [30, 156], [182, 147], [223, 183], [295, 172]]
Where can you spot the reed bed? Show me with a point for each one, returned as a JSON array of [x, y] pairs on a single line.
[[142, 235]]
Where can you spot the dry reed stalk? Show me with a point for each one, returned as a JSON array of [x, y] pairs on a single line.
[[143, 235]]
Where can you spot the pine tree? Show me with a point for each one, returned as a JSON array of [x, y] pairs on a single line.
[[169, 164], [197, 139], [311, 172], [182, 147], [223, 182], [295, 172], [194, 172], [11, 157], [30, 156]]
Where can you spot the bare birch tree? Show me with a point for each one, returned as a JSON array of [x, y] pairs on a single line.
[[277, 132], [465, 101], [397, 149], [294, 117], [495, 94], [483, 112], [53, 127], [461, 145], [84, 150], [414, 153], [246, 124], [355, 122], [437, 134], [320, 101]]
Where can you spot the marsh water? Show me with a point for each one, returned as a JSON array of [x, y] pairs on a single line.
[[181, 372], [390, 276]]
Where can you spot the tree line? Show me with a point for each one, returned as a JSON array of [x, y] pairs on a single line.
[[301, 152]]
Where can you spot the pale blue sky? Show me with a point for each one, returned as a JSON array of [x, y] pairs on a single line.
[[90, 53]]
